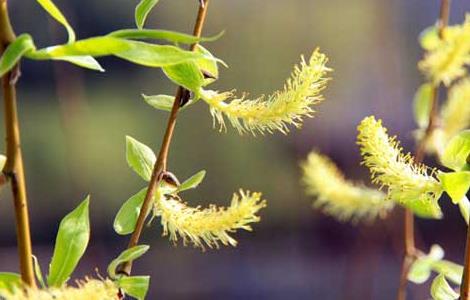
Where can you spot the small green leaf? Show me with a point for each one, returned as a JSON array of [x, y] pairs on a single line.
[[9, 281], [464, 206], [421, 268], [140, 158], [13, 53], [126, 218], [52, 9], [71, 243], [157, 34], [441, 290], [429, 38], [456, 184], [425, 209], [457, 151], [142, 10], [450, 270], [422, 104], [186, 75], [208, 65], [127, 255], [135, 286], [192, 182], [85, 61], [164, 102], [38, 272]]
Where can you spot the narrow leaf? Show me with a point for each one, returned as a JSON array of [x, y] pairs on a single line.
[[9, 281], [126, 218], [52, 9], [142, 10], [71, 243], [185, 74], [422, 105], [164, 102], [86, 61], [135, 286], [157, 34], [457, 151], [140, 158], [464, 206], [192, 182], [19, 47], [38, 272], [450, 270], [127, 255], [456, 184], [441, 290]]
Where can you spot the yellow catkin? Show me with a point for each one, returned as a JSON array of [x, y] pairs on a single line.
[[447, 59], [279, 110], [89, 289], [339, 197], [210, 226], [407, 183]]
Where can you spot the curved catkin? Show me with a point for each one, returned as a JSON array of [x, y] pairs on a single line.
[[339, 197], [407, 183], [210, 226], [90, 289], [446, 60], [281, 109]]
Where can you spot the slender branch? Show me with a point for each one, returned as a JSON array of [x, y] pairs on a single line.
[[409, 235], [160, 168], [13, 169]]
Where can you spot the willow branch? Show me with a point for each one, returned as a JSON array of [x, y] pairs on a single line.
[[13, 169], [409, 232], [160, 167]]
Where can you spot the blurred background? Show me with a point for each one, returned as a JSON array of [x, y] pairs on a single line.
[[74, 124]]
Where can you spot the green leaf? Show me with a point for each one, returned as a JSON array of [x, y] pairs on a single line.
[[457, 151], [421, 268], [464, 206], [140, 53], [52, 9], [127, 255], [126, 218], [13, 53], [9, 281], [186, 75], [71, 242], [429, 38], [135, 286], [208, 64], [425, 208], [157, 34], [450, 270], [192, 182], [441, 290], [164, 102], [142, 10], [38, 272], [140, 158], [456, 184], [85, 61], [422, 104]]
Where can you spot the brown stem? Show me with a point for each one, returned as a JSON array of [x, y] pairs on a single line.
[[160, 166], [13, 169], [409, 235]]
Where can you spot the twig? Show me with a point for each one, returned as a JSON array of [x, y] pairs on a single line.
[[409, 235], [160, 168], [13, 169]]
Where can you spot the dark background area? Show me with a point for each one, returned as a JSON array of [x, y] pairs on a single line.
[[74, 124]]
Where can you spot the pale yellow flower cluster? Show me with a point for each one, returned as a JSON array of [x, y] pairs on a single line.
[[339, 197], [447, 58], [279, 110], [89, 289], [407, 183], [209, 226]]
